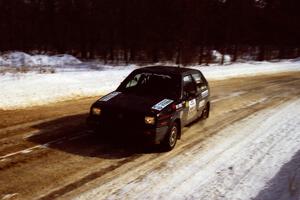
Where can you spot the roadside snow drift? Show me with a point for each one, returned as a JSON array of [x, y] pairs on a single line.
[[17, 59], [217, 72], [20, 90], [23, 90]]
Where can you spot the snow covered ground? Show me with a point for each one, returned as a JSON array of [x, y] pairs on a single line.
[[237, 163], [73, 79], [252, 153]]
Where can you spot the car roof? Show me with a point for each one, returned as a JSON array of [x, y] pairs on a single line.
[[169, 70]]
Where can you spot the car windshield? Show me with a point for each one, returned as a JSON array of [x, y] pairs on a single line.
[[152, 84]]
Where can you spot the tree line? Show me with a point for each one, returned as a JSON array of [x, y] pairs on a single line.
[[130, 31]]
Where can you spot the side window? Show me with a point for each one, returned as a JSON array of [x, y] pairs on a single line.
[[197, 78], [134, 81], [189, 87], [200, 84]]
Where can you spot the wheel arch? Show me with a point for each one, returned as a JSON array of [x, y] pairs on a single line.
[[178, 122]]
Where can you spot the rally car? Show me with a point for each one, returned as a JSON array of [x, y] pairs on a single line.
[[153, 103]]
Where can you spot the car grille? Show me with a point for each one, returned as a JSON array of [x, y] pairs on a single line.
[[123, 119]]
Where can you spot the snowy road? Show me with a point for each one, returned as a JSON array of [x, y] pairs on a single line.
[[247, 149]]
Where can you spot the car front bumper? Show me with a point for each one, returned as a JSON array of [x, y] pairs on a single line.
[[154, 135]]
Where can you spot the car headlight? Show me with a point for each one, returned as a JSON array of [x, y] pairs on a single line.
[[149, 120], [96, 111]]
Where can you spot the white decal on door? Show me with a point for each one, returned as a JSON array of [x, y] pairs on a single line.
[[192, 109]]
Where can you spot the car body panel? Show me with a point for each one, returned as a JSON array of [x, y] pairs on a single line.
[[125, 111]]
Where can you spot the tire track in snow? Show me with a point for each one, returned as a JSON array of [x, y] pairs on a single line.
[[44, 145]]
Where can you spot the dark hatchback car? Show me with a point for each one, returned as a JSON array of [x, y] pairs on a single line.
[[153, 103]]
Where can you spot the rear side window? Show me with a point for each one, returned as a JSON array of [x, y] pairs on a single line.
[[198, 79], [189, 87], [187, 80], [200, 83]]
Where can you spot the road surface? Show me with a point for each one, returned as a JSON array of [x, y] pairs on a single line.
[[48, 152]]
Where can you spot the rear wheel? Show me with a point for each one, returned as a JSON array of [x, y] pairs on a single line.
[[205, 112], [171, 138]]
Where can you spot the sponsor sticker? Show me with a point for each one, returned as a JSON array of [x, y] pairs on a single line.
[[204, 93], [192, 104], [162, 104], [192, 108], [109, 96]]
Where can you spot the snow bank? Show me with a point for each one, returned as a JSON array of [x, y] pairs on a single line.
[[17, 59], [19, 90], [217, 57], [30, 89], [218, 72], [3, 62]]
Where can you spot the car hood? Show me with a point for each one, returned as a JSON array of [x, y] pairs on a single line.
[[129, 102]]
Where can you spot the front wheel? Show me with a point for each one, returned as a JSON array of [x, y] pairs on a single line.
[[171, 138]]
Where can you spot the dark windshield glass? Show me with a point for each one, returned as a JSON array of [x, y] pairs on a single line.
[[151, 84]]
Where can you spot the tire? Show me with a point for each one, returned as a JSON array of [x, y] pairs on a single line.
[[171, 138], [205, 112]]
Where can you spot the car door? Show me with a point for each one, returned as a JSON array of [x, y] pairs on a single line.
[[189, 97], [201, 91]]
